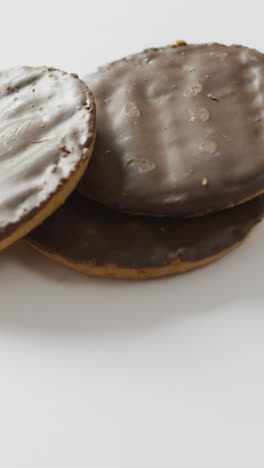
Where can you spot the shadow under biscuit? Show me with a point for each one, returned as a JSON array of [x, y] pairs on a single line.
[[94, 308]]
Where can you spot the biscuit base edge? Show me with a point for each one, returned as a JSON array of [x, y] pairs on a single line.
[[175, 267]]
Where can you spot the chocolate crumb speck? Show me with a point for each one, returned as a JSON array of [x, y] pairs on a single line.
[[179, 43], [85, 151], [33, 90], [214, 98], [74, 75], [65, 150]]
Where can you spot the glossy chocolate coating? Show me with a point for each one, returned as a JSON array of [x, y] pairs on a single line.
[[180, 131], [84, 232], [47, 122]]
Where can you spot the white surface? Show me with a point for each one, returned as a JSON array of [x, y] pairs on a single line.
[[167, 373]]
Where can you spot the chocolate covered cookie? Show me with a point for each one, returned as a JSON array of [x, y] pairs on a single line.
[[180, 130], [96, 241], [47, 130]]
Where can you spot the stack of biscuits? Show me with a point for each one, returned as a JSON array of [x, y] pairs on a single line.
[[151, 166]]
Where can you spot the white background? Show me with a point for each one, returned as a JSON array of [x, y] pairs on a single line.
[[95, 373]]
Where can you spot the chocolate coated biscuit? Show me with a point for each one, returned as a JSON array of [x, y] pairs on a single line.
[[180, 130], [99, 242], [47, 130]]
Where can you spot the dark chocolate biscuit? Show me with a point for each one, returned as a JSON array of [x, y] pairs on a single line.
[[47, 130], [180, 131], [97, 241]]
